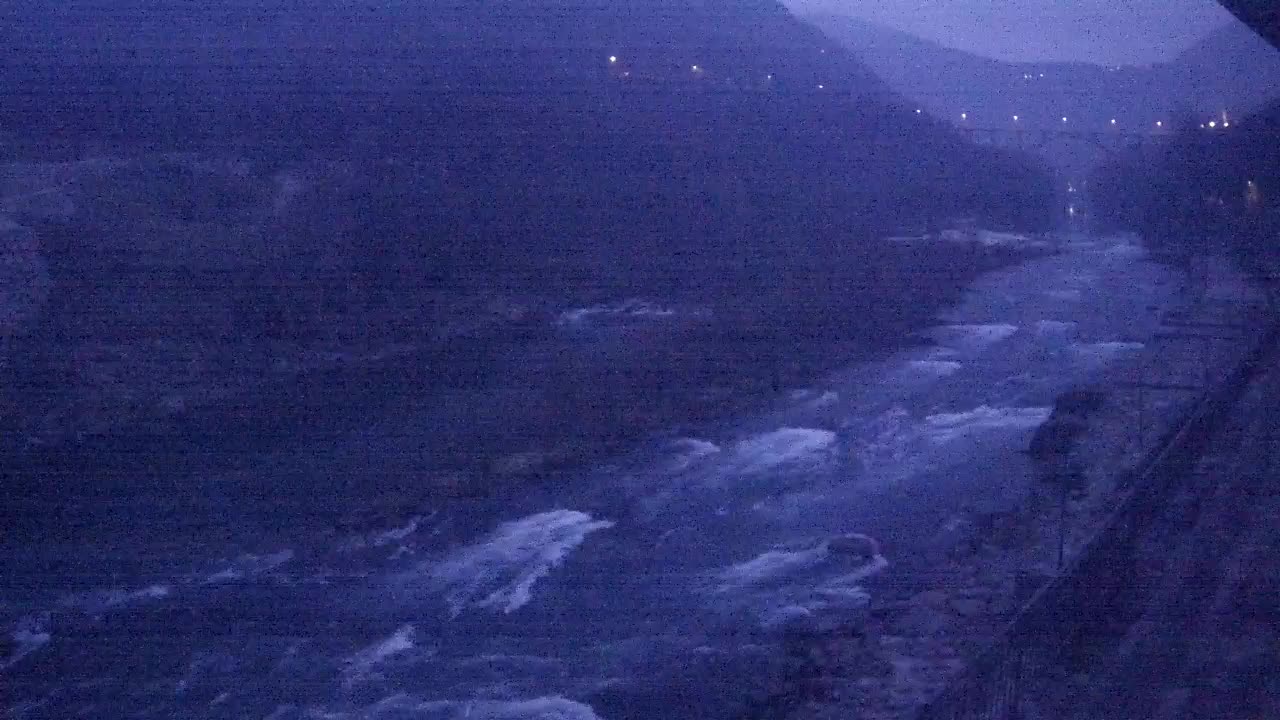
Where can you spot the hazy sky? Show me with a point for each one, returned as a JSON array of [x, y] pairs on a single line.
[[1112, 32]]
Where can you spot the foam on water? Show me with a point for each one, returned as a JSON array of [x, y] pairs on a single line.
[[887, 444], [1055, 327], [248, 565], [397, 534], [826, 399], [499, 571], [781, 585], [813, 399], [769, 566], [944, 428], [978, 336], [895, 445], [1104, 351], [98, 601], [1126, 249], [935, 368], [633, 308], [779, 447], [991, 238], [359, 664], [547, 708], [689, 451], [29, 635], [401, 706]]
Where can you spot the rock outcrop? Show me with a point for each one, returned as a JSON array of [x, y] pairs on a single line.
[[1054, 442], [1070, 416]]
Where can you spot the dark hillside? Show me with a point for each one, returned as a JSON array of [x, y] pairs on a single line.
[[409, 167], [1204, 189]]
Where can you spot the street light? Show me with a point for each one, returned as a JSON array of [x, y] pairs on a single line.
[[613, 58], [1064, 119], [1113, 121], [1159, 123], [964, 116], [1015, 118], [1213, 123]]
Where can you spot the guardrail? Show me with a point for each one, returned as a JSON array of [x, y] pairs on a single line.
[[1075, 616]]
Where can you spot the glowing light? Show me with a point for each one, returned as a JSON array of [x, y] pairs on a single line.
[[964, 116], [695, 68], [918, 111], [1015, 118], [1041, 74], [821, 87], [1113, 121], [613, 58], [1226, 124], [1064, 119], [769, 77], [1159, 123], [1213, 123]]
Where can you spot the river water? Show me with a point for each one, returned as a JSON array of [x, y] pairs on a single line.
[[653, 585]]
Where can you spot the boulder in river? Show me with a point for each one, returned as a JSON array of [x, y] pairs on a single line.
[[1069, 419]]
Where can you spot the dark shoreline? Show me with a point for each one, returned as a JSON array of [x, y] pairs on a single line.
[[224, 436]]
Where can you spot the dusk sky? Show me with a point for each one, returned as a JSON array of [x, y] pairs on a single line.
[[1111, 32]]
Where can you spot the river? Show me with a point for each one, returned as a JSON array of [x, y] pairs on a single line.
[[656, 584]]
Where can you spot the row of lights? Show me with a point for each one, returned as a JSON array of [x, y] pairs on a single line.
[[1212, 124], [613, 60], [1018, 118]]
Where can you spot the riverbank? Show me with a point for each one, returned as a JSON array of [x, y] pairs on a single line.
[[910, 643], [528, 395]]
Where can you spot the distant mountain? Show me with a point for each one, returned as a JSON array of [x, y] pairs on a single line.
[[1231, 70]]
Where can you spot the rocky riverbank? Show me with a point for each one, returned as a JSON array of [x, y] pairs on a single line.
[[920, 632]]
